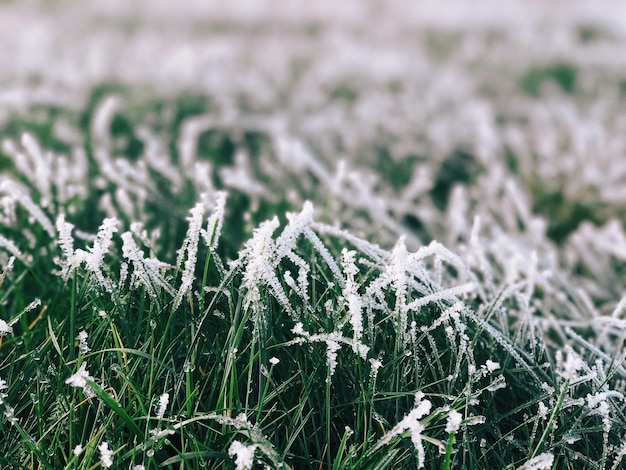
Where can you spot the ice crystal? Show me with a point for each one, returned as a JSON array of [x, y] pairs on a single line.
[[5, 328], [215, 221], [82, 342], [190, 248], [453, 422], [572, 364], [243, 455], [66, 243], [94, 257], [106, 455], [164, 400], [491, 366], [13, 249], [12, 189], [333, 341], [146, 270], [543, 461], [80, 377], [411, 424]]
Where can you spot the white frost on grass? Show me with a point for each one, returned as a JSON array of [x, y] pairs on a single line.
[[543, 461], [411, 424], [12, 189], [145, 270], [243, 455], [5, 328], [106, 455], [94, 257], [568, 368], [453, 422], [66, 243], [215, 222], [333, 342], [83, 346], [80, 377], [164, 400], [14, 250], [190, 248], [352, 296]]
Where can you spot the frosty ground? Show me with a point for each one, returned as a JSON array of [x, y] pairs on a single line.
[[368, 235]]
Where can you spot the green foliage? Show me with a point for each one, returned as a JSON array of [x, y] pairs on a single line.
[[564, 75]]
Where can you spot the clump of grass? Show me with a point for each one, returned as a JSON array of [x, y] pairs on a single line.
[[150, 319]]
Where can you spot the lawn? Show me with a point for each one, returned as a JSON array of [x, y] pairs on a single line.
[[257, 236]]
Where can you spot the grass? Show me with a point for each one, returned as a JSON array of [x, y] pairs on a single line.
[[355, 283], [316, 347]]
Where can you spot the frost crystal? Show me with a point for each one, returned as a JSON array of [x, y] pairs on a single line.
[[82, 342], [146, 271], [163, 402], [541, 462], [411, 424], [190, 245], [215, 222], [398, 269], [454, 421], [101, 244], [13, 249], [66, 242], [350, 293], [569, 369], [5, 328], [492, 366], [11, 188], [106, 455], [259, 255], [243, 455], [80, 377], [333, 342]]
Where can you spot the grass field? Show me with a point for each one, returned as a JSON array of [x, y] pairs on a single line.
[[265, 236]]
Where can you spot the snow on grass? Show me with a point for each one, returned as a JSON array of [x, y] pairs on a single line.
[[322, 237]]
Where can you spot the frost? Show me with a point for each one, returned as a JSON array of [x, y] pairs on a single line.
[[333, 342], [572, 364], [5, 328], [454, 421], [491, 365], [82, 342], [146, 270], [215, 222], [190, 247], [497, 384], [410, 423], [106, 455], [541, 462], [80, 377], [243, 455], [13, 190], [14, 250], [164, 400], [94, 257]]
